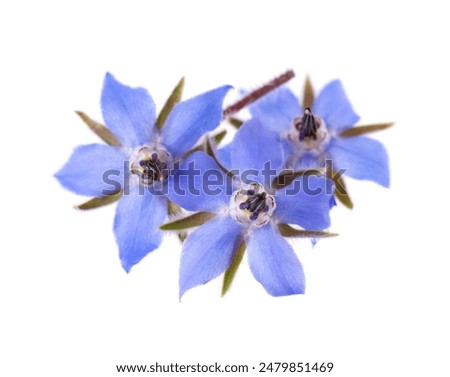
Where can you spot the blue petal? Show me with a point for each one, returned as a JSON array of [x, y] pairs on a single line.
[[93, 170], [274, 263], [136, 225], [224, 155], [288, 152], [255, 150], [128, 112], [334, 107], [308, 161], [199, 184], [208, 252], [306, 202], [190, 119], [362, 157], [277, 109]]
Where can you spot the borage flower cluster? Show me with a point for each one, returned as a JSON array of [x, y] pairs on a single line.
[[277, 178]]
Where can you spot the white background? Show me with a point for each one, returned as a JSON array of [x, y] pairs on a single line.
[[376, 300]]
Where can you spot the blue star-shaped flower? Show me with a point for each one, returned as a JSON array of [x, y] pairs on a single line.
[[313, 135], [250, 211], [146, 155]]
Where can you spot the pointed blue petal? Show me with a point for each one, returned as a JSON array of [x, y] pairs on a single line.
[[362, 157], [93, 170], [305, 202], [224, 155], [199, 184], [208, 252], [308, 161], [255, 150], [191, 119], [288, 151], [274, 263], [334, 107], [138, 216], [128, 112], [277, 109]]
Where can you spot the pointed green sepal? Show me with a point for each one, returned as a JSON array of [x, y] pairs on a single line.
[[204, 145], [200, 147], [100, 201], [173, 99], [286, 177], [172, 208], [340, 191], [175, 210], [344, 198], [362, 130], [100, 130], [182, 235], [210, 152], [288, 231], [191, 221], [219, 136], [308, 94], [236, 123], [234, 266]]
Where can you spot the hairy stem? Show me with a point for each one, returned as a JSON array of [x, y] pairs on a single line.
[[258, 93]]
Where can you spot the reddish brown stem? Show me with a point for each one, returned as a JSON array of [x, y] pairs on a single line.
[[258, 93]]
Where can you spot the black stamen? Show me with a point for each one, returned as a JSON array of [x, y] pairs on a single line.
[[153, 169], [253, 205], [243, 205], [256, 204], [260, 207], [307, 126]]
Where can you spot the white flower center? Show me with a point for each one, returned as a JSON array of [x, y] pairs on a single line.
[[309, 133], [252, 205], [151, 165]]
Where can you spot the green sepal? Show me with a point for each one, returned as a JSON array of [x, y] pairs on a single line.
[[100, 201], [230, 273], [236, 123], [173, 99], [286, 177], [210, 152], [308, 94], [340, 191], [100, 130], [174, 210], [182, 235], [362, 130], [204, 145], [191, 221], [288, 231], [219, 136]]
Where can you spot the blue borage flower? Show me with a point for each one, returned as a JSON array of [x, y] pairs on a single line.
[[146, 155], [313, 135], [249, 212]]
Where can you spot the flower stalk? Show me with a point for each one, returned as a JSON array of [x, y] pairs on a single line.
[[258, 93]]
